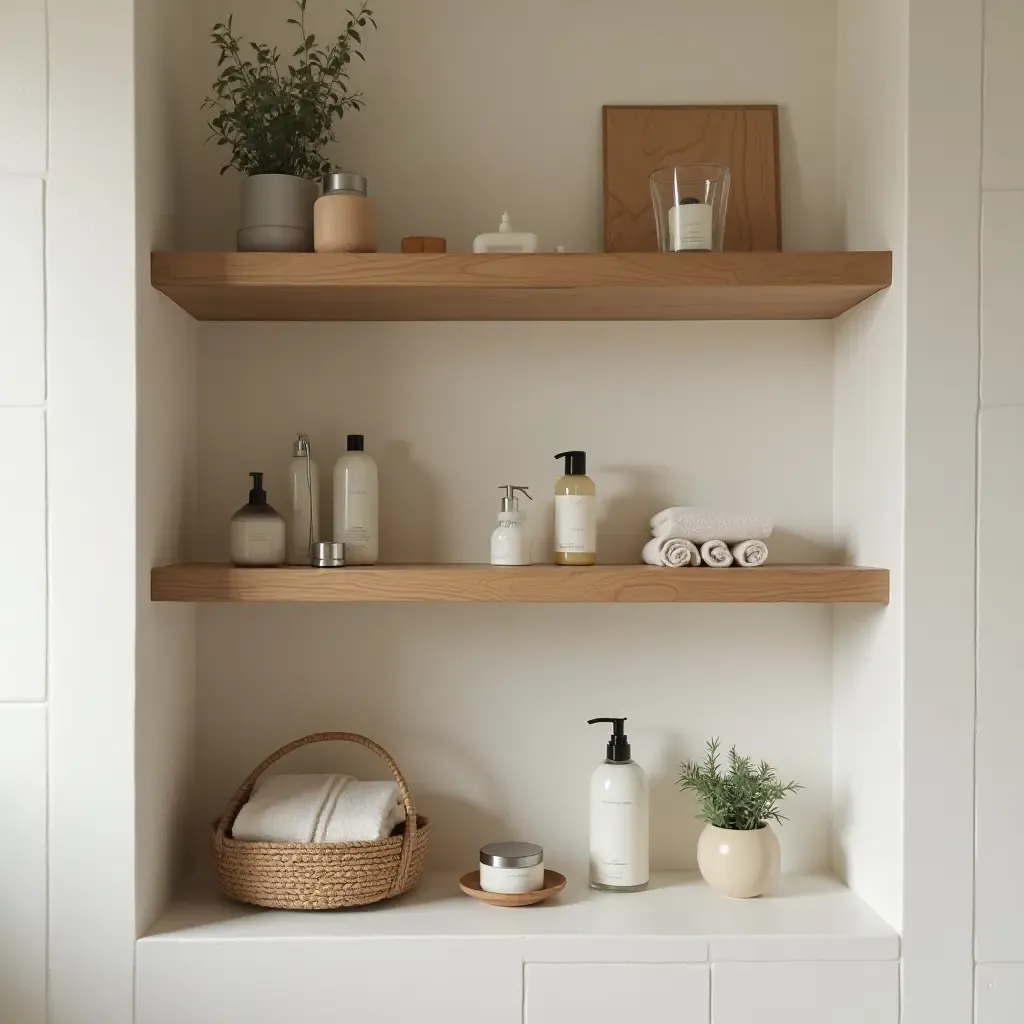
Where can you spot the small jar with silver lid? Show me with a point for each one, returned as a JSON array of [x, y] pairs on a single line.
[[511, 867], [344, 217]]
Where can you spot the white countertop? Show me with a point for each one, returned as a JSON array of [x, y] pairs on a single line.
[[679, 919]]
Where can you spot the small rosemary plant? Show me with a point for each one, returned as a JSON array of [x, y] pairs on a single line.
[[745, 798], [279, 120]]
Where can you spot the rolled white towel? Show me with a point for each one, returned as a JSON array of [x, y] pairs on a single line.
[[675, 552], [364, 811], [749, 553], [703, 524], [716, 554], [319, 809]]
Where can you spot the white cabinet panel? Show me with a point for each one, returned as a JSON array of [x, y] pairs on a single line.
[[805, 993], [637, 993], [999, 994], [22, 300], [1004, 87], [383, 981], [1002, 297], [23, 555], [23, 864], [23, 87], [1000, 696]]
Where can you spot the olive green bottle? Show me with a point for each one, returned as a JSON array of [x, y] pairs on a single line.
[[575, 513]]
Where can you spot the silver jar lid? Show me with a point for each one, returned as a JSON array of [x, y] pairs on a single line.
[[511, 855], [344, 182], [328, 554]]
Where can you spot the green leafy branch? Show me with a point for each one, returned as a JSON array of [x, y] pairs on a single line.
[[279, 120], [746, 797]]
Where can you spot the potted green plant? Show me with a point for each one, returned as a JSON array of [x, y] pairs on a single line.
[[277, 118], [738, 852]]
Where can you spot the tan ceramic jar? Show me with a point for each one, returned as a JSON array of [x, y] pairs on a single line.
[[344, 217], [738, 863]]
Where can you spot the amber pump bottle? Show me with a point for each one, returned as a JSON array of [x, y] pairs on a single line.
[[575, 513]]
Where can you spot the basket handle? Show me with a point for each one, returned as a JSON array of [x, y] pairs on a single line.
[[244, 791]]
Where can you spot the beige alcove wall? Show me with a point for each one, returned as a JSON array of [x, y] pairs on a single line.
[[473, 108]]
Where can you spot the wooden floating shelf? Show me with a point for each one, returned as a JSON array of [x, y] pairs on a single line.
[[806, 584], [540, 286]]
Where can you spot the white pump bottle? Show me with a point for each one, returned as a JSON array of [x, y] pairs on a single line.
[[510, 542], [619, 818]]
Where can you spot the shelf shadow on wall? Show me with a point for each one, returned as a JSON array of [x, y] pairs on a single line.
[[411, 520], [624, 527]]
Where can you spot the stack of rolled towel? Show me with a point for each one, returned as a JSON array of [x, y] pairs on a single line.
[[319, 809], [688, 536]]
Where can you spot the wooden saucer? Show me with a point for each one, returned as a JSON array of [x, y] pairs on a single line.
[[553, 883]]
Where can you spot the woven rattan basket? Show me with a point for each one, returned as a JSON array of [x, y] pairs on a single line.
[[320, 876]]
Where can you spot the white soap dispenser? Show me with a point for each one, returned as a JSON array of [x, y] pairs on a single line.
[[303, 503], [510, 542], [619, 818], [505, 239]]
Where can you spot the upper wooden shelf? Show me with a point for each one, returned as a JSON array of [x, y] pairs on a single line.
[[804, 584], [541, 286]]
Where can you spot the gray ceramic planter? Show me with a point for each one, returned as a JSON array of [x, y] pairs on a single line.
[[277, 213]]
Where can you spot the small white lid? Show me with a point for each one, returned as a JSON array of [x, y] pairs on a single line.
[[505, 227]]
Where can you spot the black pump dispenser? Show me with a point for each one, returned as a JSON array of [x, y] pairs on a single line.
[[575, 465], [257, 496], [355, 442], [618, 743]]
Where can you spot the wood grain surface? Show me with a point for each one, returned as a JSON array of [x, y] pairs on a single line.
[[805, 584], [641, 140], [554, 883], [534, 286]]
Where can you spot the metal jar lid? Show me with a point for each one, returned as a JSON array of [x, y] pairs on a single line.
[[511, 855], [344, 182], [328, 554]]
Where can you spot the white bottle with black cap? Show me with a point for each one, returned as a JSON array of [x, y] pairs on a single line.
[[355, 503], [619, 818]]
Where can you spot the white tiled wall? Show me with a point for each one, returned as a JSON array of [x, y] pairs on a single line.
[[1002, 294], [1004, 91], [1000, 823], [805, 993], [23, 599], [22, 323], [23, 86], [1000, 994], [23, 863], [1000, 812], [23, 554]]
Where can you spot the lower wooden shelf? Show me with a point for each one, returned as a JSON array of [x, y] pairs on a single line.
[[462, 583]]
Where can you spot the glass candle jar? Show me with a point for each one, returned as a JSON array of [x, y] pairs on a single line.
[[690, 204], [344, 217], [511, 867]]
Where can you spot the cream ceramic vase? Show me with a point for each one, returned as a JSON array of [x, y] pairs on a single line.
[[738, 863]]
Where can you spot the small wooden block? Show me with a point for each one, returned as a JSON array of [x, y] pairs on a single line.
[[424, 243]]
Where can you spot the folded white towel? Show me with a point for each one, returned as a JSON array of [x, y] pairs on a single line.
[[674, 552], [703, 524], [363, 812], [716, 554], [319, 809], [749, 553]]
